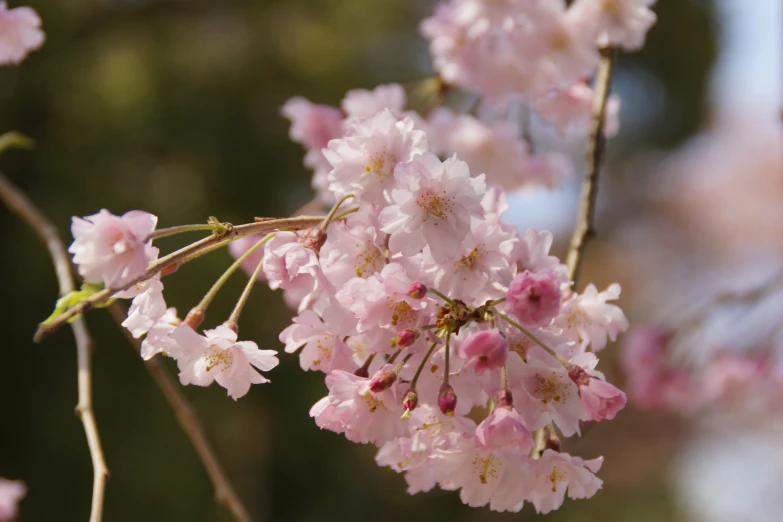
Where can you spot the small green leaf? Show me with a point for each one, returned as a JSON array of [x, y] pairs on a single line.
[[15, 140], [71, 299]]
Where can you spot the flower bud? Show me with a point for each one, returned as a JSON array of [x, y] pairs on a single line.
[[409, 403], [314, 239], [484, 350], [406, 337], [382, 380], [194, 318], [417, 290], [505, 399], [534, 298], [447, 399]]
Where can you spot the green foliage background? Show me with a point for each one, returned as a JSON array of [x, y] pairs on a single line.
[[172, 106]]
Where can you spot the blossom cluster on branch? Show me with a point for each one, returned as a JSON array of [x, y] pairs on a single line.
[[449, 339]]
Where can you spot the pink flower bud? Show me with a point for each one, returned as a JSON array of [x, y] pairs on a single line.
[[417, 290], [534, 298], [382, 380], [484, 350], [504, 428], [447, 399], [410, 401], [505, 399], [314, 239], [194, 318], [600, 399], [406, 337]]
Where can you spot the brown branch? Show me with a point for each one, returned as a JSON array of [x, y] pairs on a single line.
[[584, 228], [190, 424], [178, 257], [19, 204]]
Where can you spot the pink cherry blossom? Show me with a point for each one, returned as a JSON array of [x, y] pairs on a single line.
[[534, 297], [363, 416], [600, 399], [557, 472], [113, 250], [361, 103], [504, 428], [622, 23], [11, 493], [545, 393], [496, 149], [382, 305], [320, 349], [484, 350], [363, 161], [433, 203], [570, 110], [290, 265], [20, 33], [590, 320], [217, 356], [500, 478], [158, 339], [146, 309], [353, 248]]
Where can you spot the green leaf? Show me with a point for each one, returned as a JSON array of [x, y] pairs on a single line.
[[71, 299], [15, 140]]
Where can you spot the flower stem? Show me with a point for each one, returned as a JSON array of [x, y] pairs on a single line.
[[441, 295], [448, 355], [421, 366], [533, 338], [165, 232], [234, 317], [223, 278], [329, 217]]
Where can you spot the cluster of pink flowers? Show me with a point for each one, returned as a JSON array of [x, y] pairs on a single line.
[[537, 50], [115, 250], [727, 381], [454, 343], [408, 308], [11, 493], [494, 147]]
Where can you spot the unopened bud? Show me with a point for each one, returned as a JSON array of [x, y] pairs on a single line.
[[447, 399], [314, 239], [552, 442], [505, 399], [231, 325], [578, 375], [409, 403], [194, 318], [417, 290], [406, 338], [382, 380]]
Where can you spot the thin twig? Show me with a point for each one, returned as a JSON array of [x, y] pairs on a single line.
[[19, 204], [593, 154], [175, 258], [190, 424]]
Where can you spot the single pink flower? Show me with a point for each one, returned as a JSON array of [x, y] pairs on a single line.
[[484, 350], [600, 399], [11, 493], [504, 428], [557, 472], [534, 297], [20, 33], [113, 250]]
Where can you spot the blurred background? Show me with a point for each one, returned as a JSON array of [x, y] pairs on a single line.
[[172, 106]]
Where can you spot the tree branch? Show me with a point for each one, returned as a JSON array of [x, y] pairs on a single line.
[[19, 204], [190, 424], [178, 257], [584, 228]]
